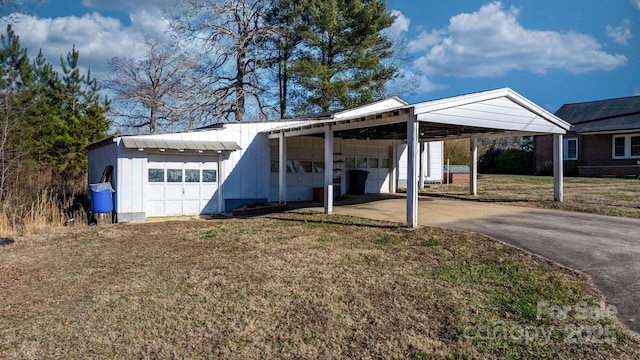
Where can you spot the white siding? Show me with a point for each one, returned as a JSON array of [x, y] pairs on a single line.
[[131, 177], [99, 159], [434, 159]]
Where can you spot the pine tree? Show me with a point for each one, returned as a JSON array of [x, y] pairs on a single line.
[[343, 53], [49, 131], [83, 114], [15, 80], [285, 17]]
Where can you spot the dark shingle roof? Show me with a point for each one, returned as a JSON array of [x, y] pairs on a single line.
[[603, 115]]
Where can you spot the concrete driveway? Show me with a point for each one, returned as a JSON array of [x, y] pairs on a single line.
[[607, 248]]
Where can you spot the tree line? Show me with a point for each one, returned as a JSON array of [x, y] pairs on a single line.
[[227, 60], [233, 60], [47, 119]]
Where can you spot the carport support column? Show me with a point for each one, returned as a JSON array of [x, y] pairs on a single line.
[[413, 127], [282, 169], [558, 168], [393, 171], [328, 169], [473, 170], [422, 165]]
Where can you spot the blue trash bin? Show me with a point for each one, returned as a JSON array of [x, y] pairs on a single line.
[[101, 197]]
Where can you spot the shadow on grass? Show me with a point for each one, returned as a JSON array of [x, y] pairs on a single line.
[[477, 199], [319, 218]]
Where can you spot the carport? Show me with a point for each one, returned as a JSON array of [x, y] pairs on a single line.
[[494, 113]]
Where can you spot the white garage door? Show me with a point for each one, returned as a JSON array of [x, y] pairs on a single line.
[[182, 185]]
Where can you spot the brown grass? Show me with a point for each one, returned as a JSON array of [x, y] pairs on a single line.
[[604, 196], [288, 286], [38, 214]]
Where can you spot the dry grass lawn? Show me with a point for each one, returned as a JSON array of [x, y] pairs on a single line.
[[604, 196], [293, 286]]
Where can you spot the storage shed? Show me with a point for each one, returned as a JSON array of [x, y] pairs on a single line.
[[222, 167]]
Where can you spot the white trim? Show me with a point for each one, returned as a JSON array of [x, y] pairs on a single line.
[[627, 146]]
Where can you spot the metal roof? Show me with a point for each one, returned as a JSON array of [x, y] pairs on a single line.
[[151, 143], [603, 115]]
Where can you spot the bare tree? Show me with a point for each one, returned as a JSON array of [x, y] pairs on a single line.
[[233, 34], [16, 4], [154, 93]]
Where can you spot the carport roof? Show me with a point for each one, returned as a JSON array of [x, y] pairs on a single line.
[[488, 113]]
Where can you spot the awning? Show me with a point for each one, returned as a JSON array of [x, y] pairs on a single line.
[[151, 143]]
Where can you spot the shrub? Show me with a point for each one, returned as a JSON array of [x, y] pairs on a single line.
[[515, 161], [507, 161]]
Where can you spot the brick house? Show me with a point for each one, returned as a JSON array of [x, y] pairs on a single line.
[[604, 139]]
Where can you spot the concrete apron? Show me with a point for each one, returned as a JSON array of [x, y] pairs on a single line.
[[431, 211]]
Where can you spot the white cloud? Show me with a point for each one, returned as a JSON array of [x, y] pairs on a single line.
[[96, 37], [425, 85], [491, 43], [401, 24], [636, 3], [148, 22], [128, 4], [621, 33], [424, 41]]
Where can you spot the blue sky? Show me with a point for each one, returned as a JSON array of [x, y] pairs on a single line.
[[550, 51]]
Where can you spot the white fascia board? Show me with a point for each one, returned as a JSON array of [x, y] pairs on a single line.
[[373, 108], [308, 127], [355, 122], [348, 125]]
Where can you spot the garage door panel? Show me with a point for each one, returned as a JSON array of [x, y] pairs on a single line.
[[173, 207], [182, 185]]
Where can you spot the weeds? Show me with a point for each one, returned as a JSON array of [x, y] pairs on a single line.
[[41, 213]]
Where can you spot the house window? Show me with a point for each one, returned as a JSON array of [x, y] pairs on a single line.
[[618, 146], [626, 146], [305, 167], [570, 149], [292, 166], [635, 146]]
